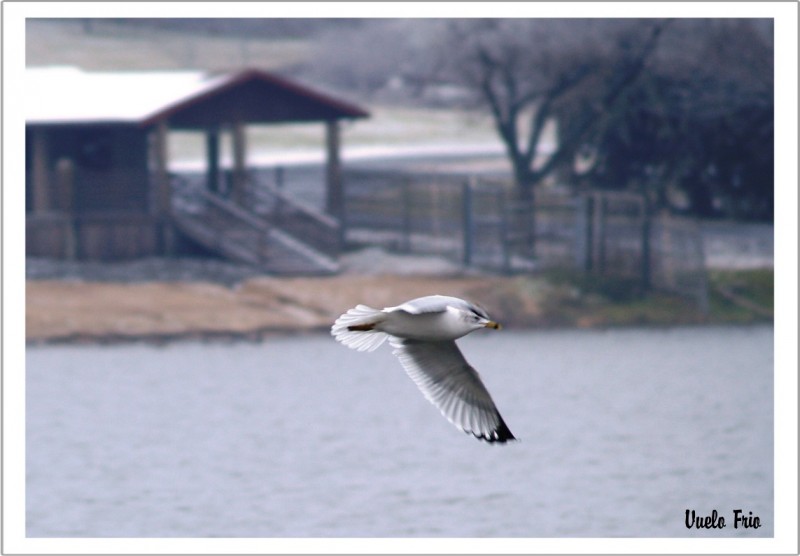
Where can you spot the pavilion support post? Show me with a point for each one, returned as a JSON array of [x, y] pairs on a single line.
[[40, 172], [212, 160], [65, 178], [163, 197], [334, 203], [239, 164]]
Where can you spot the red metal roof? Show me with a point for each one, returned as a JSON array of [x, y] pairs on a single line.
[[183, 99]]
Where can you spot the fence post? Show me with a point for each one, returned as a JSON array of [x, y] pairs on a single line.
[[405, 193], [502, 202], [645, 270], [586, 215], [600, 222], [532, 218], [702, 294], [468, 222]]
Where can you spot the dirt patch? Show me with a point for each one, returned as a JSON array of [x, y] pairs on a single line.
[[61, 310]]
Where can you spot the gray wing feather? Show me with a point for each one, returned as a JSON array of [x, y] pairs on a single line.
[[453, 385]]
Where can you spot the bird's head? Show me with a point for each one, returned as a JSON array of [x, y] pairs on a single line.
[[477, 318]]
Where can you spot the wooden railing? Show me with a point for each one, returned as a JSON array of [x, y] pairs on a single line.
[[320, 230], [247, 235], [221, 225]]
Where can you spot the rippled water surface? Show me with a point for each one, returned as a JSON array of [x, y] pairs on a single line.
[[621, 431]]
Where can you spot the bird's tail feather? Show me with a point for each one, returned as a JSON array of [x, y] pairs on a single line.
[[356, 328]]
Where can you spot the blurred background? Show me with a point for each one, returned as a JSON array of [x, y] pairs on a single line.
[[205, 196]]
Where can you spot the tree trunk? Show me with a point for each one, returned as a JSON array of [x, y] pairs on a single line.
[[526, 193]]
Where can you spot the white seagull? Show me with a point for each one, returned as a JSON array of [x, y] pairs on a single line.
[[423, 332]]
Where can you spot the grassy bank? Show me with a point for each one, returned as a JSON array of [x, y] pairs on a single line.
[[735, 297]]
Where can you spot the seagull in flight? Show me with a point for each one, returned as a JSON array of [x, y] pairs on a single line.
[[423, 332]]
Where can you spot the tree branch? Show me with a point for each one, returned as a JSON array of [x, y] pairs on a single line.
[[505, 116], [568, 145]]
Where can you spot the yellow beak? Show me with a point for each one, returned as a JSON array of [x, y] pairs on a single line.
[[492, 324]]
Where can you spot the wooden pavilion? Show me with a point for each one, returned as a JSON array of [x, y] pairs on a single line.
[[98, 185]]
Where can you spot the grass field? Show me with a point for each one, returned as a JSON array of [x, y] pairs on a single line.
[[387, 127], [113, 47]]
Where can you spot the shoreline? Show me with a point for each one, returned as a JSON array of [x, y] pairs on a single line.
[[83, 312], [265, 335], [71, 311]]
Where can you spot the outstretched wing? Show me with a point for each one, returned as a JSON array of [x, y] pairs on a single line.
[[451, 384]]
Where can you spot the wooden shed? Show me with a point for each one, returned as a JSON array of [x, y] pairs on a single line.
[[98, 185]]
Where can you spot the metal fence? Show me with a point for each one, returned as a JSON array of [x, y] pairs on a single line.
[[408, 213], [677, 259], [618, 236], [485, 223], [477, 221]]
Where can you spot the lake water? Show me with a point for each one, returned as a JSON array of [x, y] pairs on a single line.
[[621, 431]]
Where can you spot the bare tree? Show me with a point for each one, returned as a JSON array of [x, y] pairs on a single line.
[[526, 70], [698, 121], [650, 104]]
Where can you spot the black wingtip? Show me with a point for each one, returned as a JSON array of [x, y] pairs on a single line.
[[499, 435], [503, 432]]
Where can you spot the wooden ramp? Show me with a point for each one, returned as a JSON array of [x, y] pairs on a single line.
[[260, 235]]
